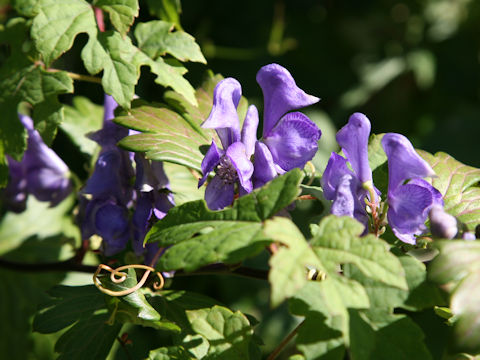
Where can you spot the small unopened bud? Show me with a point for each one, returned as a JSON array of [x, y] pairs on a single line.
[[442, 224], [468, 236]]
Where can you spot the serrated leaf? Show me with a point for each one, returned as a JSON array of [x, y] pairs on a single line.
[[289, 264], [122, 12], [80, 119], [337, 241], [109, 52], [157, 38], [166, 136], [200, 236], [229, 333], [457, 183], [134, 307], [56, 25]]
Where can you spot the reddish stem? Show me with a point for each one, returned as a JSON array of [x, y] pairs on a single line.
[[99, 18]]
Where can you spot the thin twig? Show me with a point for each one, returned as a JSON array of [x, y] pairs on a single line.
[[284, 342], [80, 77]]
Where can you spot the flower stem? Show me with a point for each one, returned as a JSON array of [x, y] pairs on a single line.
[[284, 342], [80, 77]]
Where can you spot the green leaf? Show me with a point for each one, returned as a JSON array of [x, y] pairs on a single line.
[[289, 264], [25, 7], [56, 25], [337, 241], [200, 236], [166, 136], [157, 38], [109, 52], [171, 352], [168, 10], [90, 337], [183, 183], [122, 12], [228, 333], [47, 116], [386, 336], [457, 183], [134, 307], [82, 118], [458, 266], [67, 305]]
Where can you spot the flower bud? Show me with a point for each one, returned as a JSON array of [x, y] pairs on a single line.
[[442, 224]]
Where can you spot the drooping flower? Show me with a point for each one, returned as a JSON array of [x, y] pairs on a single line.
[[153, 202], [409, 197], [442, 224], [231, 162], [345, 187], [108, 191], [290, 139], [41, 173]]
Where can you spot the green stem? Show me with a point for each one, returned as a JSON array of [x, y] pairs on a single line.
[[80, 77], [284, 342]]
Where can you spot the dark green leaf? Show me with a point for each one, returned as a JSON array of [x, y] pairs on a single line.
[[200, 236], [47, 116], [122, 12], [157, 38], [457, 183], [170, 353], [386, 336]]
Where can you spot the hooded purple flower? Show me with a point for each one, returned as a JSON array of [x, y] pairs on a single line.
[[108, 192], [410, 198], [40, 173], [231, 163], [290, 139], [346, 187], [153, 202]]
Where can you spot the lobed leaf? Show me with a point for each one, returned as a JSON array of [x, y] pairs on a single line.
[[157, 38], [122, 12]]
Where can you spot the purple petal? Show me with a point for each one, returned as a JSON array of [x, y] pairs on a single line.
[[48, 185], [109, 106], [27, 122], [264, 169], [149, 174], [111, 133], [408, 209], [334, 172], [249, 130], [218, 194], [15, 193], [140, 218], [238, 157], [280, 94], [211, 159], [223, 116], [111, 222], [353, 139], [436, 195], [293, 141], [403, 161], [163, 202]]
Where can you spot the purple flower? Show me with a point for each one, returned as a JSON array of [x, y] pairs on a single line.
[[232, 162], [410, 198], [40, 173], [346, 187], [108, 192], [290, 139], [153, 202]]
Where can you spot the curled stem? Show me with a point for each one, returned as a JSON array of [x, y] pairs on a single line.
[[117, 277]]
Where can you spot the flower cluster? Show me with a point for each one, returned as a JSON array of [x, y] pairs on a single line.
[[289, 139], [109, 195], [409, 196], [40, 173]]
